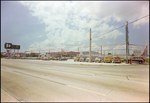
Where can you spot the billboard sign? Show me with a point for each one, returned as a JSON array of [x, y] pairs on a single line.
[[8, 45], [15, 46], [137, 52]]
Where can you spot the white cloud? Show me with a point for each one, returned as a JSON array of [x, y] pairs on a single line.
[[40, 36], [69, 22]]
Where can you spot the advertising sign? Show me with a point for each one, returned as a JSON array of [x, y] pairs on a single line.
[[15, 46], [137, 52], [8, 45]]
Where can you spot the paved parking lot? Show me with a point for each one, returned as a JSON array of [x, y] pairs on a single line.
[[66, 81]]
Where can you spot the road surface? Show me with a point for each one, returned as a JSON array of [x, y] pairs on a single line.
[[47, 81]]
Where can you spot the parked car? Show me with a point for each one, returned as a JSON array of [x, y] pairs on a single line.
[[57, 58], [87, 59], [50, 58], [93, 59], [45, 58], [98, 59], [138, 59], [107, 59], [76, 59], [62, 58], [82, 59], [116, 59], [54, 58], [122, 58]]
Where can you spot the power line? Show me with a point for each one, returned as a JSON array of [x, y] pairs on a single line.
[[138, 19], [122, 26]]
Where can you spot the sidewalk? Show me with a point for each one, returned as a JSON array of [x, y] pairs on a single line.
[[5, 97]]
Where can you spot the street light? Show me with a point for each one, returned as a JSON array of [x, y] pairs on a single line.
[[101, 48], [39, 51], [78, 48], [61, 49], [31, 51]]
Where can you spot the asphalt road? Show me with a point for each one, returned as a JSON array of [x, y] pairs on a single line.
[[43, 81]]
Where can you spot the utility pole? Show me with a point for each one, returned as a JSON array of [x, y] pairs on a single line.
[[101, 51], [78, 47], [39, 51], [90, 47], [127, 42], [78, 51]]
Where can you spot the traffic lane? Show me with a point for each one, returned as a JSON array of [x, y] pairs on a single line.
[[78, 80], [79, 68], [28, 88], [138, 92], [123, 92], [141, 77], [139, 73], [5, 97], [101, 87]]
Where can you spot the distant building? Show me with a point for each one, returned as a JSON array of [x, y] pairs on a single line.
[[70, 54], [86, 54]]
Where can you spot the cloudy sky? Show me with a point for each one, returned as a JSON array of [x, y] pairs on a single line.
[[43, 25]]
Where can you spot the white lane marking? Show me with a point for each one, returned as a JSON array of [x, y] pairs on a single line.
[[86, 90]]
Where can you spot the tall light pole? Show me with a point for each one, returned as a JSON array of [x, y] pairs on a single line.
[[25, 51], [31, 51], [90, 47], [39, 51], [49, 50], [101, 48], [78, 47], [127, 42], [62, 49]]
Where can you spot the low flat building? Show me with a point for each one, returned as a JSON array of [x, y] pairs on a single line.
[[70, 54]]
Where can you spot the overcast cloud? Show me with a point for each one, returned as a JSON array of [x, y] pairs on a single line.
[[54, 25]]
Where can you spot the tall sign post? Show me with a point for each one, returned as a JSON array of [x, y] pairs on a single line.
[[127, 42], [10, 46], [90, 47]]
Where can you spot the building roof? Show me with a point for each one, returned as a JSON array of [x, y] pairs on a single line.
[[64, 52]]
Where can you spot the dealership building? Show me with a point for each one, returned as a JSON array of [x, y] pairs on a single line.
[[70, 54]]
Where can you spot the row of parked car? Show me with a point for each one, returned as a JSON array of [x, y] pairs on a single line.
[[110, 59], [55, 58], [45, 58]]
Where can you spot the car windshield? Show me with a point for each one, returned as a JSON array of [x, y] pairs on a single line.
[[106, 57]]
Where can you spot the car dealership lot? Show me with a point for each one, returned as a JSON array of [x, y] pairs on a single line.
[[42, 80]]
